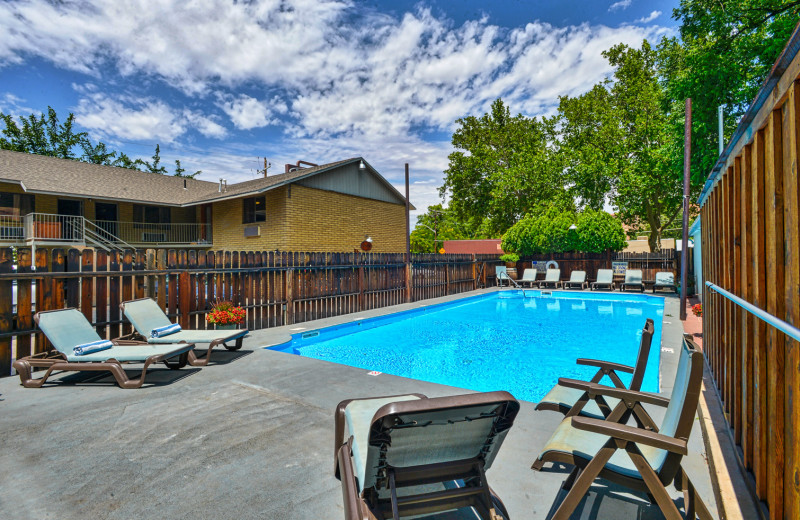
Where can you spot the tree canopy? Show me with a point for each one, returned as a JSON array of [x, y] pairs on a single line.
[[556, 230], [434, 227], [504, 166], [46, 135], [621, 143]]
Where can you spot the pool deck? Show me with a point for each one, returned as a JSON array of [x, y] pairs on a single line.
[[251, 436]]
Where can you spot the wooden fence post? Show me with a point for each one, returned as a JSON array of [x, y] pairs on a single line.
[[184, 297], [6, 322], [360, 283], [24, 316], [289, 292]]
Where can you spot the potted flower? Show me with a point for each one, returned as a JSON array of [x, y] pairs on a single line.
[[511, 260], [225, 315], [697, 309]]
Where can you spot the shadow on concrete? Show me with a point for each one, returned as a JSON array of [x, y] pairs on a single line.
[[221, 356], [607, 501], [154, 377]]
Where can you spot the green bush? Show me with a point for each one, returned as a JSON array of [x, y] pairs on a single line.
[[509, 258], [599, 231], [549, 232]]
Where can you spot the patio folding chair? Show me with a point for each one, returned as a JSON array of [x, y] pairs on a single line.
[[408, 455], [576, 279], [605, 279], [665, 280], [551, 279], [645, 460], [633, 279], [572, 401], [68, 328], [146, 316], [528, 277]]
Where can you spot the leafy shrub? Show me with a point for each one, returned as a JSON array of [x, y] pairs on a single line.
[[549, 232], [509, 258]]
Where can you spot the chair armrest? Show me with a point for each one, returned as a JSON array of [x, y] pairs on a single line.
[[606, 365], [632, 434], [610, 391], [352, 502]]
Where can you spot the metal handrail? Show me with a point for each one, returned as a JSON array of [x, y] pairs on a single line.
[[786, 328]]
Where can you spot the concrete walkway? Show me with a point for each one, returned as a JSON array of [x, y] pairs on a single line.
[[250, 436]]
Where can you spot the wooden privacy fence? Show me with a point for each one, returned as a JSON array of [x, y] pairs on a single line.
[[275, 287], [650, 263], [751, 248]]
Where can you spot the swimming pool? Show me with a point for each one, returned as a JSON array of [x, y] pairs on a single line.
[[508, 340]]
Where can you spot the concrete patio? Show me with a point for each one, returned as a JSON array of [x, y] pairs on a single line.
[[250, 436]]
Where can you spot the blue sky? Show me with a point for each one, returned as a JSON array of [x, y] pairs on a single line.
[[221, 83]]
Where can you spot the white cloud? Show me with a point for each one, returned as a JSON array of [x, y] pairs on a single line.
[[248, 112], [129, 118], [204, 124], [14, 106], [622, 4], [649, 18], [126, 117], [376, 91]]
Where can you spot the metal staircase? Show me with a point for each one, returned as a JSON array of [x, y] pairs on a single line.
[[100, 238]]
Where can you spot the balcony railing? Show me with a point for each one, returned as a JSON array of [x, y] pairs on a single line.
[[67, 229], [138, 233]]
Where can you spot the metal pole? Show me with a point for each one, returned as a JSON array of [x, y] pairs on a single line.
[[408, 242], [687, 159], [408, 221], [719, 129]]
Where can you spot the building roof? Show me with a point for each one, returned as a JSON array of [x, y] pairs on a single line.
[[42, 174]]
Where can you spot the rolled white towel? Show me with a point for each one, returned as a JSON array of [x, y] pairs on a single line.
[[166, 330], [94, 346]]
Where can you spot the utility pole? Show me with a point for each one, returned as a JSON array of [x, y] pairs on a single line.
[[267, 166], [687, 159]]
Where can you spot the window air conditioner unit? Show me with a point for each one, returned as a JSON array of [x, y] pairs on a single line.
[[154, 237], [252, 231]]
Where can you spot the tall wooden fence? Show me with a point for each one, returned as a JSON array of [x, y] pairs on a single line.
[[751, 248], [650, 263], [276, 288]]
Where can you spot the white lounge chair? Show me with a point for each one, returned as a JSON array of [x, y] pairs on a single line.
[[551, 279], [576, 279], [605, 280]]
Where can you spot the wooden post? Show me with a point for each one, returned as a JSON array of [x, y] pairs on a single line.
[[87, 284], [183, 300], [773, 188], [288, 289], [6, 316], [24, 307], [791, 226], [101, 294]]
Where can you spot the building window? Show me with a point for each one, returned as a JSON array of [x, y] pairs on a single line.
[[151, 214], [15, 204], [254, 210]]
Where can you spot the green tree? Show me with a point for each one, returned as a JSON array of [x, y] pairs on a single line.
[[179, 172], [560, 230], [97, 154], [503, 167], [623, 139], [589, 136], [42, 135], [724, 54], [46, 135], [598, 232], [434, 227]]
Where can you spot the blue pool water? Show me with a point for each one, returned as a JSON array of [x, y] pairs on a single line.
[[509, 340]]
